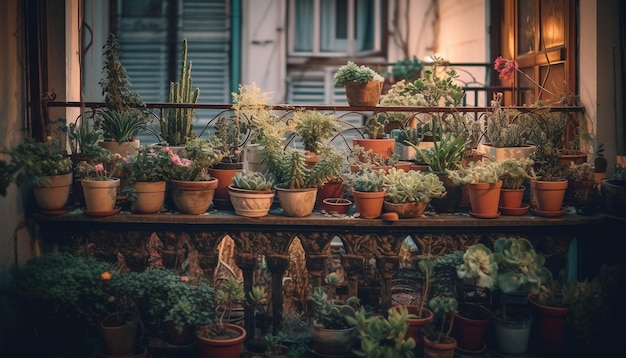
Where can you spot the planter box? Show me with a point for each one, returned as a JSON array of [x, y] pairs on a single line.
[[498, 154]]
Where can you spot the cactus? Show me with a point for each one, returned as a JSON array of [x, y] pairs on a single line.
[[253, 181], [177, 124]]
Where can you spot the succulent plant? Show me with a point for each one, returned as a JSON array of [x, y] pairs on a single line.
[[366, 181], [412, 186], [331, 313], [253, 181], [351, 72]]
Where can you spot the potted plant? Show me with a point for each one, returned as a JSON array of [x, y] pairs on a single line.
[[220, 339], [478, 274], [549, 185], [44, 167], [445, 155], [507, 133], [383, 336], [482, 182], [70, 304], [189, 183], [408, 69], [99, 186], [125, 114], [363, 85], [177, 123], [515, 171], [409, 192], [252, 193], [368, 192], [521, 271], [147, 173], [296, 185], [613, 192], [180, 303], [314, 128], [275, 346], [437, 341], [583, 191], [331, 331], [362, 158]]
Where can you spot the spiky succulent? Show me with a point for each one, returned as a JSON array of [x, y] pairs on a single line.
[[253, 181]]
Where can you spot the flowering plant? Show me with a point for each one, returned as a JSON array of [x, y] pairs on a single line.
[[100, 169], [506, 69], [31, 161], [150, 164]]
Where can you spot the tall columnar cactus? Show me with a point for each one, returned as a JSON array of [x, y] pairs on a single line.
[[177, 124]]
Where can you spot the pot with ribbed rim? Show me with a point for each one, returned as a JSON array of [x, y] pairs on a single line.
[[192, 197], [150, 197], [251, 203]]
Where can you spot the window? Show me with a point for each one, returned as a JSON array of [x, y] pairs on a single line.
[[332, 28], [151, 33]]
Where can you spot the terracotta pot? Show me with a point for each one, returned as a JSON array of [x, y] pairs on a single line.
[[406, 210], [484, 199], [192, 197], [297, 202], [224, 348], [178, 338], [416, 326], [369, 205], [331, 189], [549, 195], [404, 165], [100, 196], [119, 337], [444, 349], [337, 206], [548, 328], [511, 198], [224, 176], [363, 94], [251, 203], [150, 197], [470, 325], [53, 196], [383, 146], [124, 149]]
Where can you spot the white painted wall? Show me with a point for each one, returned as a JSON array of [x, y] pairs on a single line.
[[264, 46]]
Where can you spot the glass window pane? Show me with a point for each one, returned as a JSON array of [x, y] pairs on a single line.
[[552, 23], [304, 10], [526, 26], [364, 24]]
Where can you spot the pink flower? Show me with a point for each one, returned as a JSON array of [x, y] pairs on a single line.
[[98, 167], [184, 278], [505, 67], [186, 162], [176, 159]]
